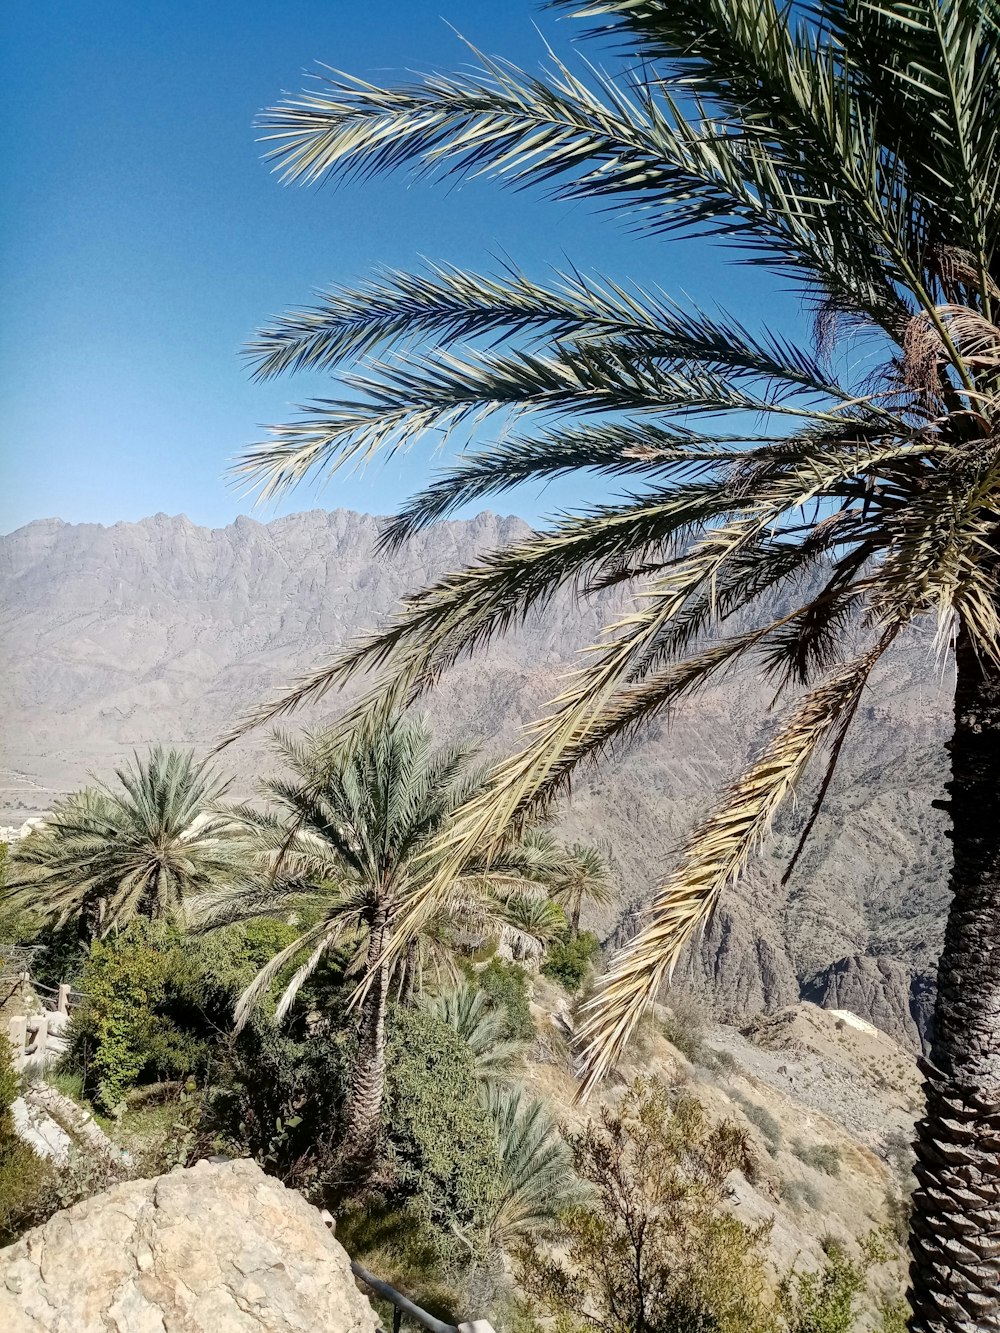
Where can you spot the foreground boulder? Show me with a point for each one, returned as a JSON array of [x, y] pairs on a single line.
[[213, 1249]]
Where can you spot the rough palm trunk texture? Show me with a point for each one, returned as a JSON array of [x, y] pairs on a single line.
[[362, 1114], [955, 1241]]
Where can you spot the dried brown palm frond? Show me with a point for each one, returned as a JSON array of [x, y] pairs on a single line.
[[926, 355], [716, 854]]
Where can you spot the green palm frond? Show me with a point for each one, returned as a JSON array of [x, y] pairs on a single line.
[[482, 1027], [351, 833], [584, 878], [829, 492], [530, 923], [441, 390], [146, 845], [537, 1181]]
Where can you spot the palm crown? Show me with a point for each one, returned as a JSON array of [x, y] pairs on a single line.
[[355, 830], [855, 149], [146, 845], [351, 830]]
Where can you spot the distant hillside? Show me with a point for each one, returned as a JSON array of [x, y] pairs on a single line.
[[162, 630]]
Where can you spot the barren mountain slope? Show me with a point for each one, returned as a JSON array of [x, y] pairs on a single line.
[[161, 630]]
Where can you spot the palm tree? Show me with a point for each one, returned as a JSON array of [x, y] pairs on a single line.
[[537, 1181], [142, 847], [483, 1029], [354, 829], [851, 147], [584, 879]]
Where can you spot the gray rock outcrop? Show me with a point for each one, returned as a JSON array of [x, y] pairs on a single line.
[[880, 989], [213, 1249]]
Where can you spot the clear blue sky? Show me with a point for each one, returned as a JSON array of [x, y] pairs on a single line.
[[142, 240]]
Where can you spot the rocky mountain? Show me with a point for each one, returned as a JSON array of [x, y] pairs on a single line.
[[114, 637]]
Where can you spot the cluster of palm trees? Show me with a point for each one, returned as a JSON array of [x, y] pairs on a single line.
[[343, 838]]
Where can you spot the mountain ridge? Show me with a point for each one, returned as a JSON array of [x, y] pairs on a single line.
[[118, 635]]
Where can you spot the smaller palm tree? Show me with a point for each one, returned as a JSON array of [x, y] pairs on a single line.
[[537, 1180], [355, 830], [583, 878], [482, 1027], [142, 847]]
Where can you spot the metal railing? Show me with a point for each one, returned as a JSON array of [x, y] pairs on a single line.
[[402, 1305]]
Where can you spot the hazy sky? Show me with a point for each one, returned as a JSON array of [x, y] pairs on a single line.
[[142, 240]]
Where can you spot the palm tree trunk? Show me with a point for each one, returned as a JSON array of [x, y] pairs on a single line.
[[358, 1147], [955, 1233]]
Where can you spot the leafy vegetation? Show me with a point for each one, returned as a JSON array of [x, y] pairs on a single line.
[[142, 847], [654, 1249], [826, 1301], [761, 1117], [506, 987], [351, 834], [570, 960], [24, 1177], [440, 1145]]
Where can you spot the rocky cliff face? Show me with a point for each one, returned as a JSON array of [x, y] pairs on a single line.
[[215, 1249], [161, 630], [883, 990]]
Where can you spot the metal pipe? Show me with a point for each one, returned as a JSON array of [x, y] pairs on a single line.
[[401, 1302]]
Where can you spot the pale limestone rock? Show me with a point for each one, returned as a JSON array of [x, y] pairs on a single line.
[[219, 1248]]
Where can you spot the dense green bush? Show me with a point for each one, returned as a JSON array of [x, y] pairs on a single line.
[[506, 986], [280, 1100], [570, 960], [440, 1144], [159, 1003], [121, 1034], [24, 1177]]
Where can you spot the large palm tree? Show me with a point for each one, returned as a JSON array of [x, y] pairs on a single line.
[[352, 826], [852, 149], [142, 846]]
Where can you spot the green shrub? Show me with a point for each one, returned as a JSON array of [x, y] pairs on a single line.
[[820, 1156], [570, 960], [506, 986], [827, 1301], [159, 1003], [761, 1117], [654, 1249], [440, 1144], [281, 1101], [24, 1177], [225, 961], [122, 1034]]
